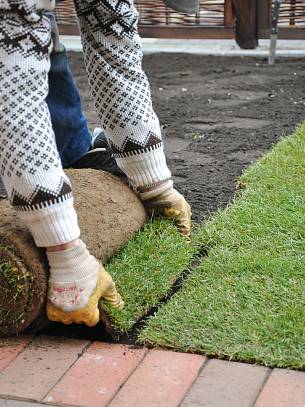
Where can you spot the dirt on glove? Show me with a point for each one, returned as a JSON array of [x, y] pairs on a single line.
[[109, 214]]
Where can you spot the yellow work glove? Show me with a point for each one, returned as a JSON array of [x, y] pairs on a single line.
[[89, 314], [163, 200], [77, 282]]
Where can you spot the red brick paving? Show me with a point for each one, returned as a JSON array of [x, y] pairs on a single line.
[[19, 403], [70, 372], [39, 367], [97, 376], [228, 384], [284, 388], [161, 380], [10, 348]]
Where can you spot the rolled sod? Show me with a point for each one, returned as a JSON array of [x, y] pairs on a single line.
[[109, 214]]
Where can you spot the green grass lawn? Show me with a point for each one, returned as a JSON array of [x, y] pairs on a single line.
[[246, 300], [146, 269]]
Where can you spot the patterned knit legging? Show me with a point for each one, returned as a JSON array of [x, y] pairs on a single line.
[[29, 163]]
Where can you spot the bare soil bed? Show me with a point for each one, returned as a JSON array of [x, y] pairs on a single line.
[[218, 115]]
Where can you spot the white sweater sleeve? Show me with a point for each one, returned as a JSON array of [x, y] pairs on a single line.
[[26, 8], [30, 167]]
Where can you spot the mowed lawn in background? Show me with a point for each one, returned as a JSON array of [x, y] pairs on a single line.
[[246, 300]]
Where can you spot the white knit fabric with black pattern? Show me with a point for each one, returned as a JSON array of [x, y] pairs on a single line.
[[120, 88], [29, 162]]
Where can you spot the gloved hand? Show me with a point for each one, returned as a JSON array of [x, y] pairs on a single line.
[[89, 314], [77, 282], [163, 200]]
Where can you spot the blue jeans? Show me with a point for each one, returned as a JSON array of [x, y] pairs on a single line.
[[73, 137]]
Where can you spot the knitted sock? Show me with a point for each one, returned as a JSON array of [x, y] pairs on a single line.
[[120, 88], [73, 277], [30, 167]]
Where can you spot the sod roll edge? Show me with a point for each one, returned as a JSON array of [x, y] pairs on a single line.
[[109, 214]]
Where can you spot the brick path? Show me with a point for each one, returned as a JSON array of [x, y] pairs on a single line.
[[35, 371]]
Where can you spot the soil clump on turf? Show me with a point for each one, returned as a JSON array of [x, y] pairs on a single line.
[[218, 115]]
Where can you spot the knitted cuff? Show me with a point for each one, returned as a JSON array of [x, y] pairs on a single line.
[[52, 225], [72, 265], [156, 191], [145, 169]]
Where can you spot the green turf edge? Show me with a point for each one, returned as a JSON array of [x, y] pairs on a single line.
[[11, 293], [245, 301], [145, 270]]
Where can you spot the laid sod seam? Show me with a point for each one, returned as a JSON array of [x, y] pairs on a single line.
[[145, 271], [246, 301], [132, 333]]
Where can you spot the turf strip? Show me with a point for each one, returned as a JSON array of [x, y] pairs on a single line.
[[145, 271], [246, 300]]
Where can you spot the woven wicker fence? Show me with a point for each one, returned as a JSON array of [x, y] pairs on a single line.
[[65, 13], [214, 16], [211, 13], [155, 13], [292, 13]]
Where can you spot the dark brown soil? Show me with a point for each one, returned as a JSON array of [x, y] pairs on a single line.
[[218, 115]]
